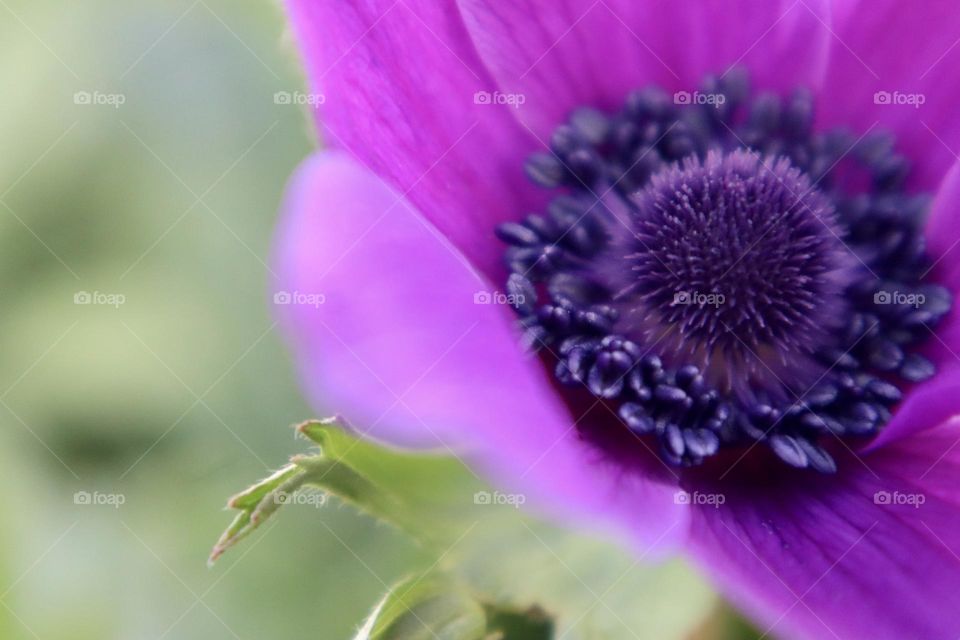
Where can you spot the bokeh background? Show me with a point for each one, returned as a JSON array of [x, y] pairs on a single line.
[[142, 160]]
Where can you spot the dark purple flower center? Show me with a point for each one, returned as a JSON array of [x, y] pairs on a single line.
[[733, 263], [720, 274]]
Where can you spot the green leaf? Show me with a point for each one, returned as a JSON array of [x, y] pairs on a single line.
[[256, 504], [440, 608], [434, 486], [424, 494], [595, 589], [425, 608]]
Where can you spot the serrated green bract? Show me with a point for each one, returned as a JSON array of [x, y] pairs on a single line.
[[422, 494], [441, 608], [593, 590]]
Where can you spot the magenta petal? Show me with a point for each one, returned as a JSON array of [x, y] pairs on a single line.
[[943, 230], [872, 553], [907, 53], [932, 402], [399, 81], [563, 54], [400, 348], [942, 235], [926, 405]]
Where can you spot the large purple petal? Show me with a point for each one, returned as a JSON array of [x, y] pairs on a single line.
[[562, 54], [870, 553], [943, 230], [942, 234], [399, 81], [890, 51], [931, 402], [926, 405], [402, 350]]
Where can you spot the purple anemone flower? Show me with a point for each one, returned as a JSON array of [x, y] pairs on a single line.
[[679, 272]]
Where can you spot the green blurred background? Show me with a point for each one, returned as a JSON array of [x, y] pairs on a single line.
[[181, 395]]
